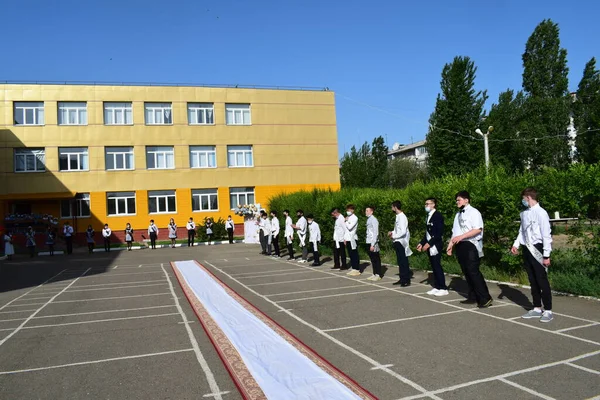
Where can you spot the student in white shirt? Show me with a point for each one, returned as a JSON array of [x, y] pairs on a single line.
[[191, 231], [68, 234], [230, 227], [265, 228], [275, 228], [373, 244], [351, 238], [153, 233], [401, 237], [467, 239], [314, 238], [262, 232], [301, 227], [535, 235], [289, 234], [172, 232], [106, 233], [339, 243]]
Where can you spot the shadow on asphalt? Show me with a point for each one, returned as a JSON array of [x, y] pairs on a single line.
[[515, 296]]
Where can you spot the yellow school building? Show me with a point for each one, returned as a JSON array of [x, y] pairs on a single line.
[[96, 153]]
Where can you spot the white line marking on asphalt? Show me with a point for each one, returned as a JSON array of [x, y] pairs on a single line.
[[25, 305], [16, 311], [382, 366], [140, 266], [330, 295], [128, 273], [247, 259], [216, 394], [95, 362], [313, 290], [591, 371], [97, 321], [117, 283], [265, 276], [115, 267], [328, 336], [112, 298], [31, 290], [225, 259], [285, 309], [37, 298], [577, 327], [526, 389], [103, 312], [214, 387], [17, 329], [113, 288], [555, 313], [279, 283], [186, 322], [245, 274]]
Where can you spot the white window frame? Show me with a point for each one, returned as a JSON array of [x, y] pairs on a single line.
[[236, 151], [204, 110], [238, 114], [72, 154], [80, 199], [162, 196], [37, 154], [75, 109], [241, 195], [197, 153], [125, 196], [156, 113], [22, 107], [208, 195], [116, 113], [156, 152], [119, 152]]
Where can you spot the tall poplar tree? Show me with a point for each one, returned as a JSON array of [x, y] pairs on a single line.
[[586, 114]]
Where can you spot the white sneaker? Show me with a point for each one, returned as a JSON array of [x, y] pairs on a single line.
[[441, 292], [372, 277], [354, 272], [433, 291], [376, 278]]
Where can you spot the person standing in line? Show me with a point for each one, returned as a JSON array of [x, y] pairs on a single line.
[[50, 240], [289, 234], [191, 231], [432, 243], [265, 226], [128, 236], [351, 239], [209, 230], [275, 228], [68, 234], [467, 237], [172, 232], [373, 244], [89, 237], [30, 241], [339, 234], [301, 228], [536, 237], [230, 227], [401, 237], [262, 237], [106, 234], [9, 248], [314, 238], [153, 233]]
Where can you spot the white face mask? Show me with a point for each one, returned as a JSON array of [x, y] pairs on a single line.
[[427, 209], [348, 212]]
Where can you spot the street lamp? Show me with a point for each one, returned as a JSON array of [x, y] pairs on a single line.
[[485, 145]]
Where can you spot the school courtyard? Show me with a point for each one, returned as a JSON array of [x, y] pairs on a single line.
[[118, 326]]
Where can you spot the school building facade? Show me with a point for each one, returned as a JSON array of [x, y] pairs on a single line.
[[92, 153]]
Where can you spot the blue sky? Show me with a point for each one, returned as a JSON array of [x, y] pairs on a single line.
[[379, 55]]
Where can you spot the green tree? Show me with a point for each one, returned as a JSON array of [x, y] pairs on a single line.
[[404, 171], [586, 114], [365, 167], [459, 108], [378, 166], [547, 103]]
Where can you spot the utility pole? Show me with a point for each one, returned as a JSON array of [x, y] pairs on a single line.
[[486, 147]]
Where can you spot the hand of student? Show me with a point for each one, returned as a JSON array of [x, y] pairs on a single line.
[[514, 250], [546, 262], [390, 234], [425, 247], [456, 239], [419, 247], [371, 248], [449, 250]]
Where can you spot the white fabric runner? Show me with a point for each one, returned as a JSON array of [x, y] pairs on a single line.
[[280, 369]]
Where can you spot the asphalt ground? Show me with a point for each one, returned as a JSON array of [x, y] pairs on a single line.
[[118, 326]]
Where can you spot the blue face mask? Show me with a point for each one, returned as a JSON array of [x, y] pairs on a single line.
[[427, 209], [525, 203]]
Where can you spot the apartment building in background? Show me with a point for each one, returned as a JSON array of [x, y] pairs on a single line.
[[415, 151], [95, 153]]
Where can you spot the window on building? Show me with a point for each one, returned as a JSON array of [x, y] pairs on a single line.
[[162, 201], [241, 196], [120, 203], [159, 113], [205, 200], [78, 207], [118, 113], [29, 112], [160, 157], [203, 157], [237, 114], [119, 158], [72, 113], [73, 159], [239, 156], [201, 113], [30, 160]]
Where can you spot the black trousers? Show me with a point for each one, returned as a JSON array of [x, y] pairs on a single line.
[[263, 241], [275, 242], [402, 261], [153, 240], [316, 256], [69, 241], [354, 261], [538, 279], [469, 261], [290, 249], [339, 255], [106, 244], [230, 235], [439, 279], [191, 235], [375, 262]]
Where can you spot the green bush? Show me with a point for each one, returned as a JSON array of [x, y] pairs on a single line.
[[218, 228]]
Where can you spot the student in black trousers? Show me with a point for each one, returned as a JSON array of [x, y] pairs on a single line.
[[432, 243], [275, 228], [191, 231], [230, 226], [153, 233]]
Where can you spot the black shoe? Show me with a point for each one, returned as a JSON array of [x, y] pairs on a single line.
[[469, 301], [315, 264], [335, 267], [486, 304], [291, 258], [402, 284], [344, 269]]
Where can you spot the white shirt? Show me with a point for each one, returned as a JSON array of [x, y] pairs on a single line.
[[229, 224], [373, 232], [190, 226], [301, 225], [351, 228], [265, 226], [153, 228], [315, 232], [289, 231], [68, 231], [466, 220], [275, 228], [535, 229], [339, 230], [106, 232], [401, 228]]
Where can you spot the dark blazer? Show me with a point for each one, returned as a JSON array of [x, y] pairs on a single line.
[[435, 227]]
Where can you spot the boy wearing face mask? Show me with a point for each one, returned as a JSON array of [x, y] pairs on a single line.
[[339, 232], [467, 239], [536, 237], [401, 237], [314, 238], [432, 244], [351, 239], [301, 228], [373, 244], [289, 234]]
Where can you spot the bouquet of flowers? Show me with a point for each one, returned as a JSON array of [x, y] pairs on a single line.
[[246, 209]]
